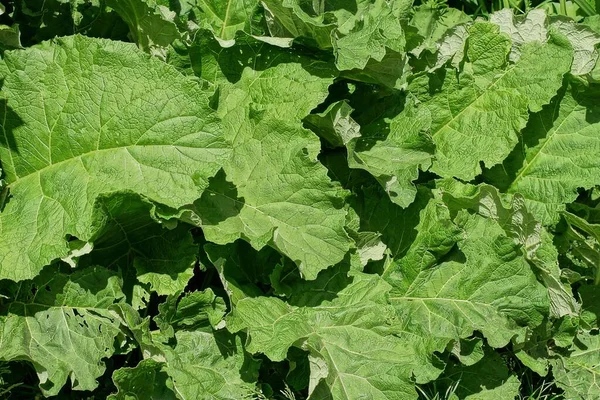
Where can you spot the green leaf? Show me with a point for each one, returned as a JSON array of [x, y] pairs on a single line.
[[241, 268], [469, 351], [559, 154], [335, 332], [61, 323], [379, 30], [286, 18], [454, 297], [396, 160], [41, 20], [10, 37], [156, 136], [129, 235], [212, 365], [226, 18], [281, 194], [433, 24], [206, 363], [590, 299], [519, 224], [150, 26], [190, 311], [486, 108], [487, 379], [147, 380], [577, 372], [584, 41], [584, 242], [335, 124]]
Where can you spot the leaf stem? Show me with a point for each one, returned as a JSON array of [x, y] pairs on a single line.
[[563, 7], [483, 6], [586, 7]]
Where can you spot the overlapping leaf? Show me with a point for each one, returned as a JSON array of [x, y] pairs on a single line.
[[335, 333], [72, 131], [462, 293], [487, 106], [62, 324], [282, 195], [578, 371], [559, 154]]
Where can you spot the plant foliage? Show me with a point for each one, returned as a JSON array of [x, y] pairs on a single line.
[[299, 199]]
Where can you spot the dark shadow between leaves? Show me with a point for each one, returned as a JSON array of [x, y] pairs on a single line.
[[11, 121], [219, 201], [28, 297], [329, 283], [44, 20], [249, 52], [243, 266], [130, 237]]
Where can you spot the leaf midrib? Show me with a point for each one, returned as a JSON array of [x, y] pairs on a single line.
[[552, 134], [96, 151]]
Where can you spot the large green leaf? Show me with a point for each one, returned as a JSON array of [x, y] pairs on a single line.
[[461, 294], [61, 323], [559, 155], [206, 365], [335, 333], [578, 371], [287, 18], [486, 106], [226, 18], [150, 26], [281, 194], [378, 32], [156, 136], [520, 225]]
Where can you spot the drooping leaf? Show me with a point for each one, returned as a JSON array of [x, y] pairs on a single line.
[[395, 161], [334, 333], [226, 18], [62, 324], [10, 37], [210, 365], [241, 268], [520, 225], [286, 18], [379, 31], [487, 379], [191, 311], [335, 124], [130, 235], [147, 380], [559, 154]]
